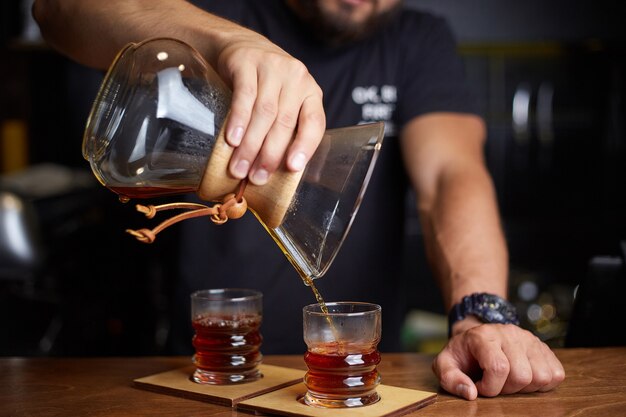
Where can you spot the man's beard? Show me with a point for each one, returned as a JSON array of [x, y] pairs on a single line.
[[336, 29]]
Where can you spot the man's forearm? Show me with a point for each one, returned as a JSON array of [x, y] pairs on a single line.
[[93, 31], [463, 236], [457, 204]]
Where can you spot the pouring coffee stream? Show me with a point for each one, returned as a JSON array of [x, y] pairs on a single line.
[[156, 129]]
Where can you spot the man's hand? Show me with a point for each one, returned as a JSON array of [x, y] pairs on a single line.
[[493, 359], [276, 111], [275, 100]]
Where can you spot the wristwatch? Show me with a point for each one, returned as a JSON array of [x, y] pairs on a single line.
[[489, 308]]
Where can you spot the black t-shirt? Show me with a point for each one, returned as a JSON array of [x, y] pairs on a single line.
[[409, 68]]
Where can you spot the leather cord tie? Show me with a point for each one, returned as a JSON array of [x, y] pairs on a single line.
[[233, 206]]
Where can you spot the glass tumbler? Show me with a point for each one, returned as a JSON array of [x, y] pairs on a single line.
[[227, 338], [342, 354]]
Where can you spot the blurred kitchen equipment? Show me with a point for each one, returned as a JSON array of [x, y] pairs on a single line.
[[597, 314], [20, 248]]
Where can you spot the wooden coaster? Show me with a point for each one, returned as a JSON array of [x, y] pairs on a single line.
[[394, 401], [178, 382]]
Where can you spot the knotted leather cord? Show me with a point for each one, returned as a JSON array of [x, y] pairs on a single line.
[[234, 206]]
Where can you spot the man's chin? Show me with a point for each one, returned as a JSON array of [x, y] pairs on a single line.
[[343, 27]]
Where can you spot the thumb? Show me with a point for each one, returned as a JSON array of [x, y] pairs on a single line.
[[452, 379]]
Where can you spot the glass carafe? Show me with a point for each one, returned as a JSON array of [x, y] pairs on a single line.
[[155, 129]]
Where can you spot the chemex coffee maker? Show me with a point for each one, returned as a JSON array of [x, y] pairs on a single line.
[[155, 129]]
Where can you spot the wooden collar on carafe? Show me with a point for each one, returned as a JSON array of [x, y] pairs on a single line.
[[233, 206]]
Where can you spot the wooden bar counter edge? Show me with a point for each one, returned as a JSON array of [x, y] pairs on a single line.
[[595, 385]]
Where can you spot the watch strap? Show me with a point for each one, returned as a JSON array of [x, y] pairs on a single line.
[[488, 308]]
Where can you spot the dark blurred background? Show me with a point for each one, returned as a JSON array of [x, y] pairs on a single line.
[[550, 78]]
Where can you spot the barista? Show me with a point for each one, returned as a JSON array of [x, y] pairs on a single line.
[[361, 60]]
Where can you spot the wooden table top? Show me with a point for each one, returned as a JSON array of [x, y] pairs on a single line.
[[595, 385]]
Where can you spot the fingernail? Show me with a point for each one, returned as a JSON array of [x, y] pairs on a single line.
[[241, 169], [260, 176], [462, 390], [298, 161], [235, 136]]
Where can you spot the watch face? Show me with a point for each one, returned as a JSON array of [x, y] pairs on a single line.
[[489, 308], [493, 309]]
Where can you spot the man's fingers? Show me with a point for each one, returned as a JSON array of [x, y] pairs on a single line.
[[547, 370], [521, 370], [452, 379], [311, 127], [267, 112], [558, 373], [511, 359], [264, 113], [300, 117], [279, 136], [243, 99], [487, 351]]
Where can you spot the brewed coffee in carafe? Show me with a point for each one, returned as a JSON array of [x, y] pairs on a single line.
[[156, 129]]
